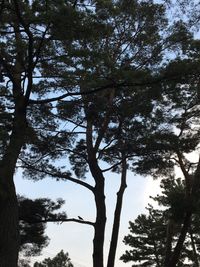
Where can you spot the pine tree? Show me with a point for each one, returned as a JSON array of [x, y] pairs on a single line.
[[33, 217], [60, 260], [118, 63], [153, 236], [25, 43], [105, 52], [146, 237]]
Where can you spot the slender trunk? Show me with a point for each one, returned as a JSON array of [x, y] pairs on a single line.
[[179, 246], [99, 195], [99, 228], [116, 223], [196, 262], [9, 236]]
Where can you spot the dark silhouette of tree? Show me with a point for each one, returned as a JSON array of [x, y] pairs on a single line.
[[32, 213], [177, 137], [153, 236], [33, 217], [93, 66], [146, 237], [25, 46], [60, 260], [103, 122]]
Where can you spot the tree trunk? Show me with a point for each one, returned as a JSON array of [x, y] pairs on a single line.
[[99, 195], [99, 228], [9, 235], [179, 246], [100, 223], [116, 223]]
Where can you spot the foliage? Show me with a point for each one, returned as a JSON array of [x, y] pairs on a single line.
[[90, 81], [23, 262], [60, 260], [146, 237], [33, 216], [148, 233], [135, 112]]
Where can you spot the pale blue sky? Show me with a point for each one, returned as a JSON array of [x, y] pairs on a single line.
[[76, 238]]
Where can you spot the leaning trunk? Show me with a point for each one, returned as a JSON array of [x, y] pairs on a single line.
[[179, 246], [116, 223]]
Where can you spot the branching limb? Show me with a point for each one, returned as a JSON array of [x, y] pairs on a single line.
[[58, 175], [184, 171]]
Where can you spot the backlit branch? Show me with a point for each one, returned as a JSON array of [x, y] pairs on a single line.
[[64, 220]]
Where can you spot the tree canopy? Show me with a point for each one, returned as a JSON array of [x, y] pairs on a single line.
[[151, 234], [92, 82]]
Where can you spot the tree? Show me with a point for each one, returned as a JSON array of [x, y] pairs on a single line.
[[146, 237], [120, 59], [178, 136], [174, 198], [60, 260], [46, 57], [24, 43], [153, 236], [33, 216]]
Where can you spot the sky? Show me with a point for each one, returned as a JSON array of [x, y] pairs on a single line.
[[76, 239]]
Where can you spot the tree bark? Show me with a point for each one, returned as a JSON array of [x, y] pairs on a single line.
[[116, 223], [99, 227], [99, 195], [100, 222], [9, 235]]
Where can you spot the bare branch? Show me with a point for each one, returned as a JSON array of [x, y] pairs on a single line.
[[63, 220], [113, 166]]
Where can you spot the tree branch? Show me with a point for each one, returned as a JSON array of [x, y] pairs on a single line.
[[63, 220], [108, 86], [37, 53], [59, 175], [105, 122], [185, 173]]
